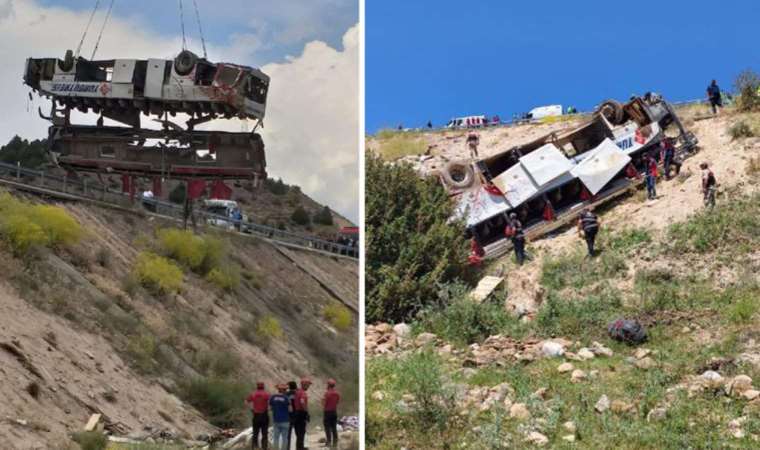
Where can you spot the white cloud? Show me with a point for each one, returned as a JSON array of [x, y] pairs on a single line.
[[311, 129]]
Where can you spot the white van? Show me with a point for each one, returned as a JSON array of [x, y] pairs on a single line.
[[545, 111], [225, 208], [468, 122]]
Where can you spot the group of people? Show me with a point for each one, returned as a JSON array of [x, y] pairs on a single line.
[[290, 413]]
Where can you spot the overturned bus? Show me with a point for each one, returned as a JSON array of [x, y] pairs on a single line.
[[120, 89], [548, 181]]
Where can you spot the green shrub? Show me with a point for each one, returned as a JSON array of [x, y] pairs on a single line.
[[157, 273], [220, 400], [748, 86], [214, 252], [217, 362], [740, 130], [142, 351], [261, 332], [422, 375], [412, 245], [578, 317], [323, 216], [24, 225], [253, 278], [227, 278], [182, 245], [91, 440], [300, 216], [338, 315]]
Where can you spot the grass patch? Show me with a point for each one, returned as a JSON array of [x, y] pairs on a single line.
[[226, 278], [217, 362], [200, 254], [578, 317], [740, 130], [261, 332], [576, 270], [399, 145], [339, 316], [157, 274], [220, 400]]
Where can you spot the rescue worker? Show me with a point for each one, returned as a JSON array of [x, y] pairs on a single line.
[[651, 177], [259, 401], [301, 413], [430, 125], [292, 388], [713, 95], [588, 224], [473, 140], [514, 231], [279, 403], [708, 185], [667, 154], [330, 417]]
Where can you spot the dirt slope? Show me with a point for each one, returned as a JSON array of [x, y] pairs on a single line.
[[71, 322]]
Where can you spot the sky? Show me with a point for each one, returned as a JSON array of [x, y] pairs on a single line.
[[309, 48], [434, 61]]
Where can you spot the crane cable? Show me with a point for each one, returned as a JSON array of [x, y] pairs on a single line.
[[89, 22], [200, 29], [100, 35], [182, 23]]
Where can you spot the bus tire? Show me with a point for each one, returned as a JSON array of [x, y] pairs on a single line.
[[451, 177]]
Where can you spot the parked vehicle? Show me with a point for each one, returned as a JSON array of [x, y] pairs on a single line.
[[468, 122], [225, 213]]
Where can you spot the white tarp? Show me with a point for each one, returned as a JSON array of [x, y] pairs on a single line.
[[476, 205], [516, 185], [600, 166], [545, 164]]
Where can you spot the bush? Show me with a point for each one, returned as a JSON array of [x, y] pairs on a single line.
[[227, 278], [91, 440], [323, 216], [740, 130], [578, 317], [177, 195], [276, 187], [201, 254], [260, 332], [747, 85], [300, 216], [24, 225], [339, 316], [221, 401], [217, 362], [412, 246], [421, 374], [142, 351], [157, 273]]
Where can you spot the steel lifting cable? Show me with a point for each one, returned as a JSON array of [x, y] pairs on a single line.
[[100, 35], [182, 23], [89, 22], [200, 29]]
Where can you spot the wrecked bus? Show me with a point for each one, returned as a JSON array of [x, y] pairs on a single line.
[[548, 181]]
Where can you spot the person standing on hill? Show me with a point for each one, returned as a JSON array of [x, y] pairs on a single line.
[[651, 178], [473, 140], [330, 417], [301, 413], [292, 388], [279, 403], [708, 185], [713, 95], [588, 224], [514, 231], [259, 401], [668, 155]]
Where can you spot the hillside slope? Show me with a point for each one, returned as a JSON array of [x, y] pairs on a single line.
[[76, 323]]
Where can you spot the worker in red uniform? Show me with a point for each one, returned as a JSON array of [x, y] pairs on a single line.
[[330, 417], [301, 413], [259, 401]]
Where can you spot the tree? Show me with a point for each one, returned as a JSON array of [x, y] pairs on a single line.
[[412, 246], [177, 195], [323, 216], [31, 154], [300, 216], [748, 88], [276, 187]]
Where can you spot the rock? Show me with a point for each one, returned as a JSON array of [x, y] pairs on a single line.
[[569, 438], [445, 350], [585, 353], [536, 438], [657, 414], [424, 339], [540, 393], [552, 349], [645, 363], [378, 396], [569, 426], [642, 352], [620, 407], [603, 404], [593, 374], [402, 330], [519, 411], [577, 376], [750, 394], [565, 367], [600, 350], [738, 385], [712, 379]]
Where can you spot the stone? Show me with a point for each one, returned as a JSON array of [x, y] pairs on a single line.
[[378, 396], [565, 367], [585, 353], [536, 438], [657, 414], [519, 411], [603, 404], [577, 376], [569, 438], [425, 339], [402, 330], [644, 363], [642, 352], [600, 350], [593, 374], [540, 393], [712, 379], [445, 350], [620, 407], [552, 349], [739, 384], [569, 426], [750, 394]]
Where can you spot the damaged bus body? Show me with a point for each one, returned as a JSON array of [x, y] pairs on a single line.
[[548, 181]]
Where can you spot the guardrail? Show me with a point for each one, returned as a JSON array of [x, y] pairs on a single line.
[[97, 191]]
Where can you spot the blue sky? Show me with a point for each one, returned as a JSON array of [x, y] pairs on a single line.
[[436, 60]]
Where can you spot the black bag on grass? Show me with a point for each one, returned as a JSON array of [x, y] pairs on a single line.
[[628, 331]]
